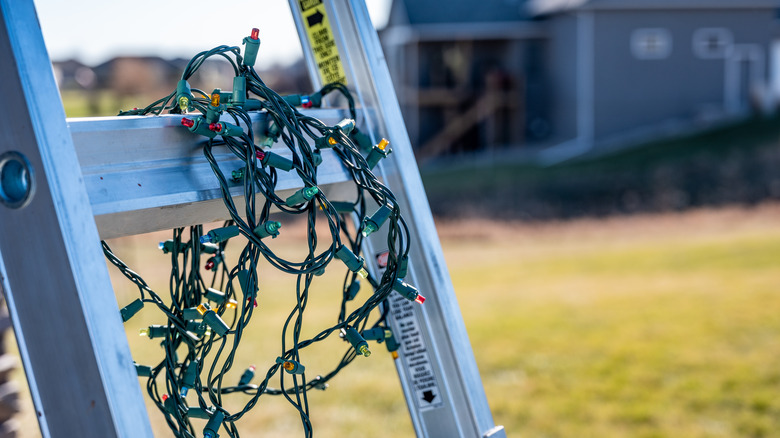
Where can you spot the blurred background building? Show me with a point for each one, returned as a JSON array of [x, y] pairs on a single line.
[[575, 75], [548, 79]]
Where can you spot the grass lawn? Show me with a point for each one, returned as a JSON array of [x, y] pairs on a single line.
[[100, 103], [731, 164], [642, 327], [661, 325]]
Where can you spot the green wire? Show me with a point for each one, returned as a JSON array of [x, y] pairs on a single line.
[[187, 286]]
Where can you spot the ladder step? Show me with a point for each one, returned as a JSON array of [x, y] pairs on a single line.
[[147, 174]]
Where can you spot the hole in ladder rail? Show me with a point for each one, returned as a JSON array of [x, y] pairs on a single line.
[[17, 184]]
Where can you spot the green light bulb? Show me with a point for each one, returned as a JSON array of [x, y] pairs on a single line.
[[309, 192]]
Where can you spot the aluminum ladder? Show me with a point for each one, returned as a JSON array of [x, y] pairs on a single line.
[[64, 185]]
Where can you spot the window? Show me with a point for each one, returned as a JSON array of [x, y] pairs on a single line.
[[712, 42], [651, 43]]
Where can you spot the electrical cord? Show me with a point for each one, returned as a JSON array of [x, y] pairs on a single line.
[[208, 323]]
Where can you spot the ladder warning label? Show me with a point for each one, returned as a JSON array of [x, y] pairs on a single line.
[[323, 45], [415, 354]]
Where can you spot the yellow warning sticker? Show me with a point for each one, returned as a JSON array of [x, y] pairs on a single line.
[[326, 54]]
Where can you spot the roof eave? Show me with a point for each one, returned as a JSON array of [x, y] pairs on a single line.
[[537, 8]]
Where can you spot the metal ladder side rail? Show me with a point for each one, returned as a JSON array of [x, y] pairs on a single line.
[[464, 410], [54, 276]]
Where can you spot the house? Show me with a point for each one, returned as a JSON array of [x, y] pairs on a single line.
[[581, 75], [468, 75], [139, 75], [71, 74], [154, 76]]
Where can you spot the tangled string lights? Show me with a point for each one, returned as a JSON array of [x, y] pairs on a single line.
[[207, 317]]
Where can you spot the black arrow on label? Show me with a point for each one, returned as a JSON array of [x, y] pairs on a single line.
[[315, 18], [429, 396]]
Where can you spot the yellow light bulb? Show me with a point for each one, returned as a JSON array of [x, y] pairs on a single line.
[[364, 351], [332, 141], [202, 309], [394, 354], [289, 366], [363, 273], [383, 144], [215, 99], [231, 304], [184, 103], [143, 332]]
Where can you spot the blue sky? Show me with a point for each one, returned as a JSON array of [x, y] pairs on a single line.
[[94, 31]]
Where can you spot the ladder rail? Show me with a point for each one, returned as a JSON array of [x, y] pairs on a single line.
[[71, 339], [466, 411]]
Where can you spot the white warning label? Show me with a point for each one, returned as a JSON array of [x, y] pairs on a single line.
[[415, 354]]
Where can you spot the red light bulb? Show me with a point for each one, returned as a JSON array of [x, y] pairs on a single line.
[[216, 127], [210, 265], [164, 397], [260, 155], [187, 122], [255, 34], [420, 299]]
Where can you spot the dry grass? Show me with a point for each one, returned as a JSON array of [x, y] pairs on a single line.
[[647, 326]]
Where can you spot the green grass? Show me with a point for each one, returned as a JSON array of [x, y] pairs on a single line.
[[657, 326], [672, 336], [727, 165], [740, 137], [100, 103]]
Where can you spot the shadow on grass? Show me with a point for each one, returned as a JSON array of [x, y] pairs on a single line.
[[734, 164]]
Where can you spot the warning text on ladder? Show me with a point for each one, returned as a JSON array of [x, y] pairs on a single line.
[[323, 45]]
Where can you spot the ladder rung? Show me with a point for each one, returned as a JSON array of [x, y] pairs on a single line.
[[147, 174]]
